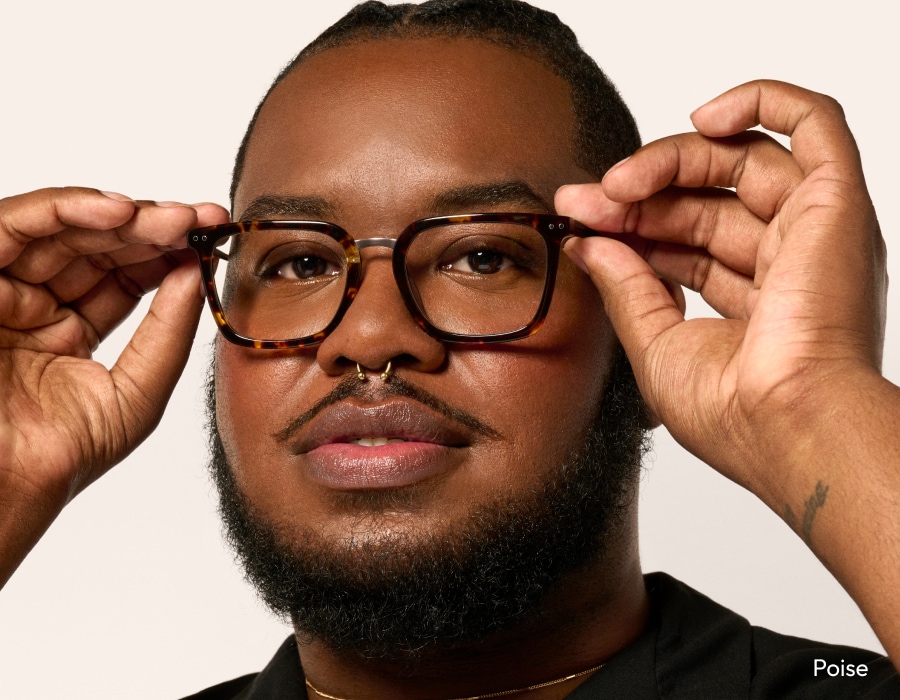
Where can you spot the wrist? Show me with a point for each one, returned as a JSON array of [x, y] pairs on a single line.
[[822, 433], [27, 509]]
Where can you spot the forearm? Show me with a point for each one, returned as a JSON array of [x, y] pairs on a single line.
[[838, 486]]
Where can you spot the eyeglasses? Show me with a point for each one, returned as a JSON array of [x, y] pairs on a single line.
[[477, 278]]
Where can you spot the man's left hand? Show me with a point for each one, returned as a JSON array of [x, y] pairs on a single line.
[[783, 394]]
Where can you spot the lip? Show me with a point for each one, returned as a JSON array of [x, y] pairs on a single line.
[[433, 444]]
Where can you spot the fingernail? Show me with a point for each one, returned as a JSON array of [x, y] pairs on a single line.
[[170, 204], [117, 196]]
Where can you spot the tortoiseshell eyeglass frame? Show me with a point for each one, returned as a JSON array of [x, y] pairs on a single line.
[[555, 230]]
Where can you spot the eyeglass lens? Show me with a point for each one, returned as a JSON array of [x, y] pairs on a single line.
[[473, 278]]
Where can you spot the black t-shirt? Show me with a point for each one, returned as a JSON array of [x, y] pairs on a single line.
[[692, 648]]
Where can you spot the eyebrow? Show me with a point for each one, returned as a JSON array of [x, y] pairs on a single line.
[[492, 194], [271, 206], [466, 199]]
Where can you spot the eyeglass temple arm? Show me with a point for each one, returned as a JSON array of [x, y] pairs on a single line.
[[579, 230]]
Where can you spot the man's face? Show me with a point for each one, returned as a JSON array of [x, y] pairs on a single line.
[[373, 136]]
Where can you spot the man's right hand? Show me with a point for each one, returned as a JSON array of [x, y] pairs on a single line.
[[74, 263]]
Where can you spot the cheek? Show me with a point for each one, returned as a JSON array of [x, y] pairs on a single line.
[[569, 358], [543, 393], [540, 394], [255, 399]]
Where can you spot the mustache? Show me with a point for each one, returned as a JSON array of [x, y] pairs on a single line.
[[353, 387]]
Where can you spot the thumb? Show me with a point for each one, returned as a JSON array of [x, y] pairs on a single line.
[[150, 365], [637, 302]]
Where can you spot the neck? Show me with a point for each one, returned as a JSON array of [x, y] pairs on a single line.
[[587, 618]]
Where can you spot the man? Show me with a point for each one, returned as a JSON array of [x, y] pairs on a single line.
[[495, 486]]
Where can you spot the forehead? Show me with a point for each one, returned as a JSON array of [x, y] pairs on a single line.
[[396, 121]]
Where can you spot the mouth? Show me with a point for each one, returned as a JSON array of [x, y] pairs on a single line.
[[397, 443], [374, 441]]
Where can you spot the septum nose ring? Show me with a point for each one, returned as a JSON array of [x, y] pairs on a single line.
[[384, 374]]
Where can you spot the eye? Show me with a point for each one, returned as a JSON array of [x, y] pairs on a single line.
[[483, 261], [305, 267]]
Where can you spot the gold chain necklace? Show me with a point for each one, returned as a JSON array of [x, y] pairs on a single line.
[[487, 695]]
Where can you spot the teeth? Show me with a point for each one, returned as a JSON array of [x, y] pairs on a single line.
[[375, 441]]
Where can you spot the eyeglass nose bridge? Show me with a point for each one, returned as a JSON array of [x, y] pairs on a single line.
[[376, 243], [391, 244]]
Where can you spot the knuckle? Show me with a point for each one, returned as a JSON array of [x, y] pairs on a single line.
[[127, 284], [700, 273], [706, 223], [828, 106]]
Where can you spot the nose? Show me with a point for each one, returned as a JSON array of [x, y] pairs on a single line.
[[378, 327]]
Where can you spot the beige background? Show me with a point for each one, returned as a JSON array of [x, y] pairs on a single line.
[[132, 593]]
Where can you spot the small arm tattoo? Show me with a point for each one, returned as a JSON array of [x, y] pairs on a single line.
[[811, 508]]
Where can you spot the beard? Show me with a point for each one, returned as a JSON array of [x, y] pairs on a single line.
[[399, 597]]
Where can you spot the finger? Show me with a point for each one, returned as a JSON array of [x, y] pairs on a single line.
[[26, 217], [725, 290], [210, 214], [638, 304], [82, 274], [71, 336], [160, 226], [815, 122], [33, 319], [114, 297], [832, 210], [711, 219], [25, 306], [147, 370], [676, 291], [762, 171]]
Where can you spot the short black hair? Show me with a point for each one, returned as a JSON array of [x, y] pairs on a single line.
[[605, 130]]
